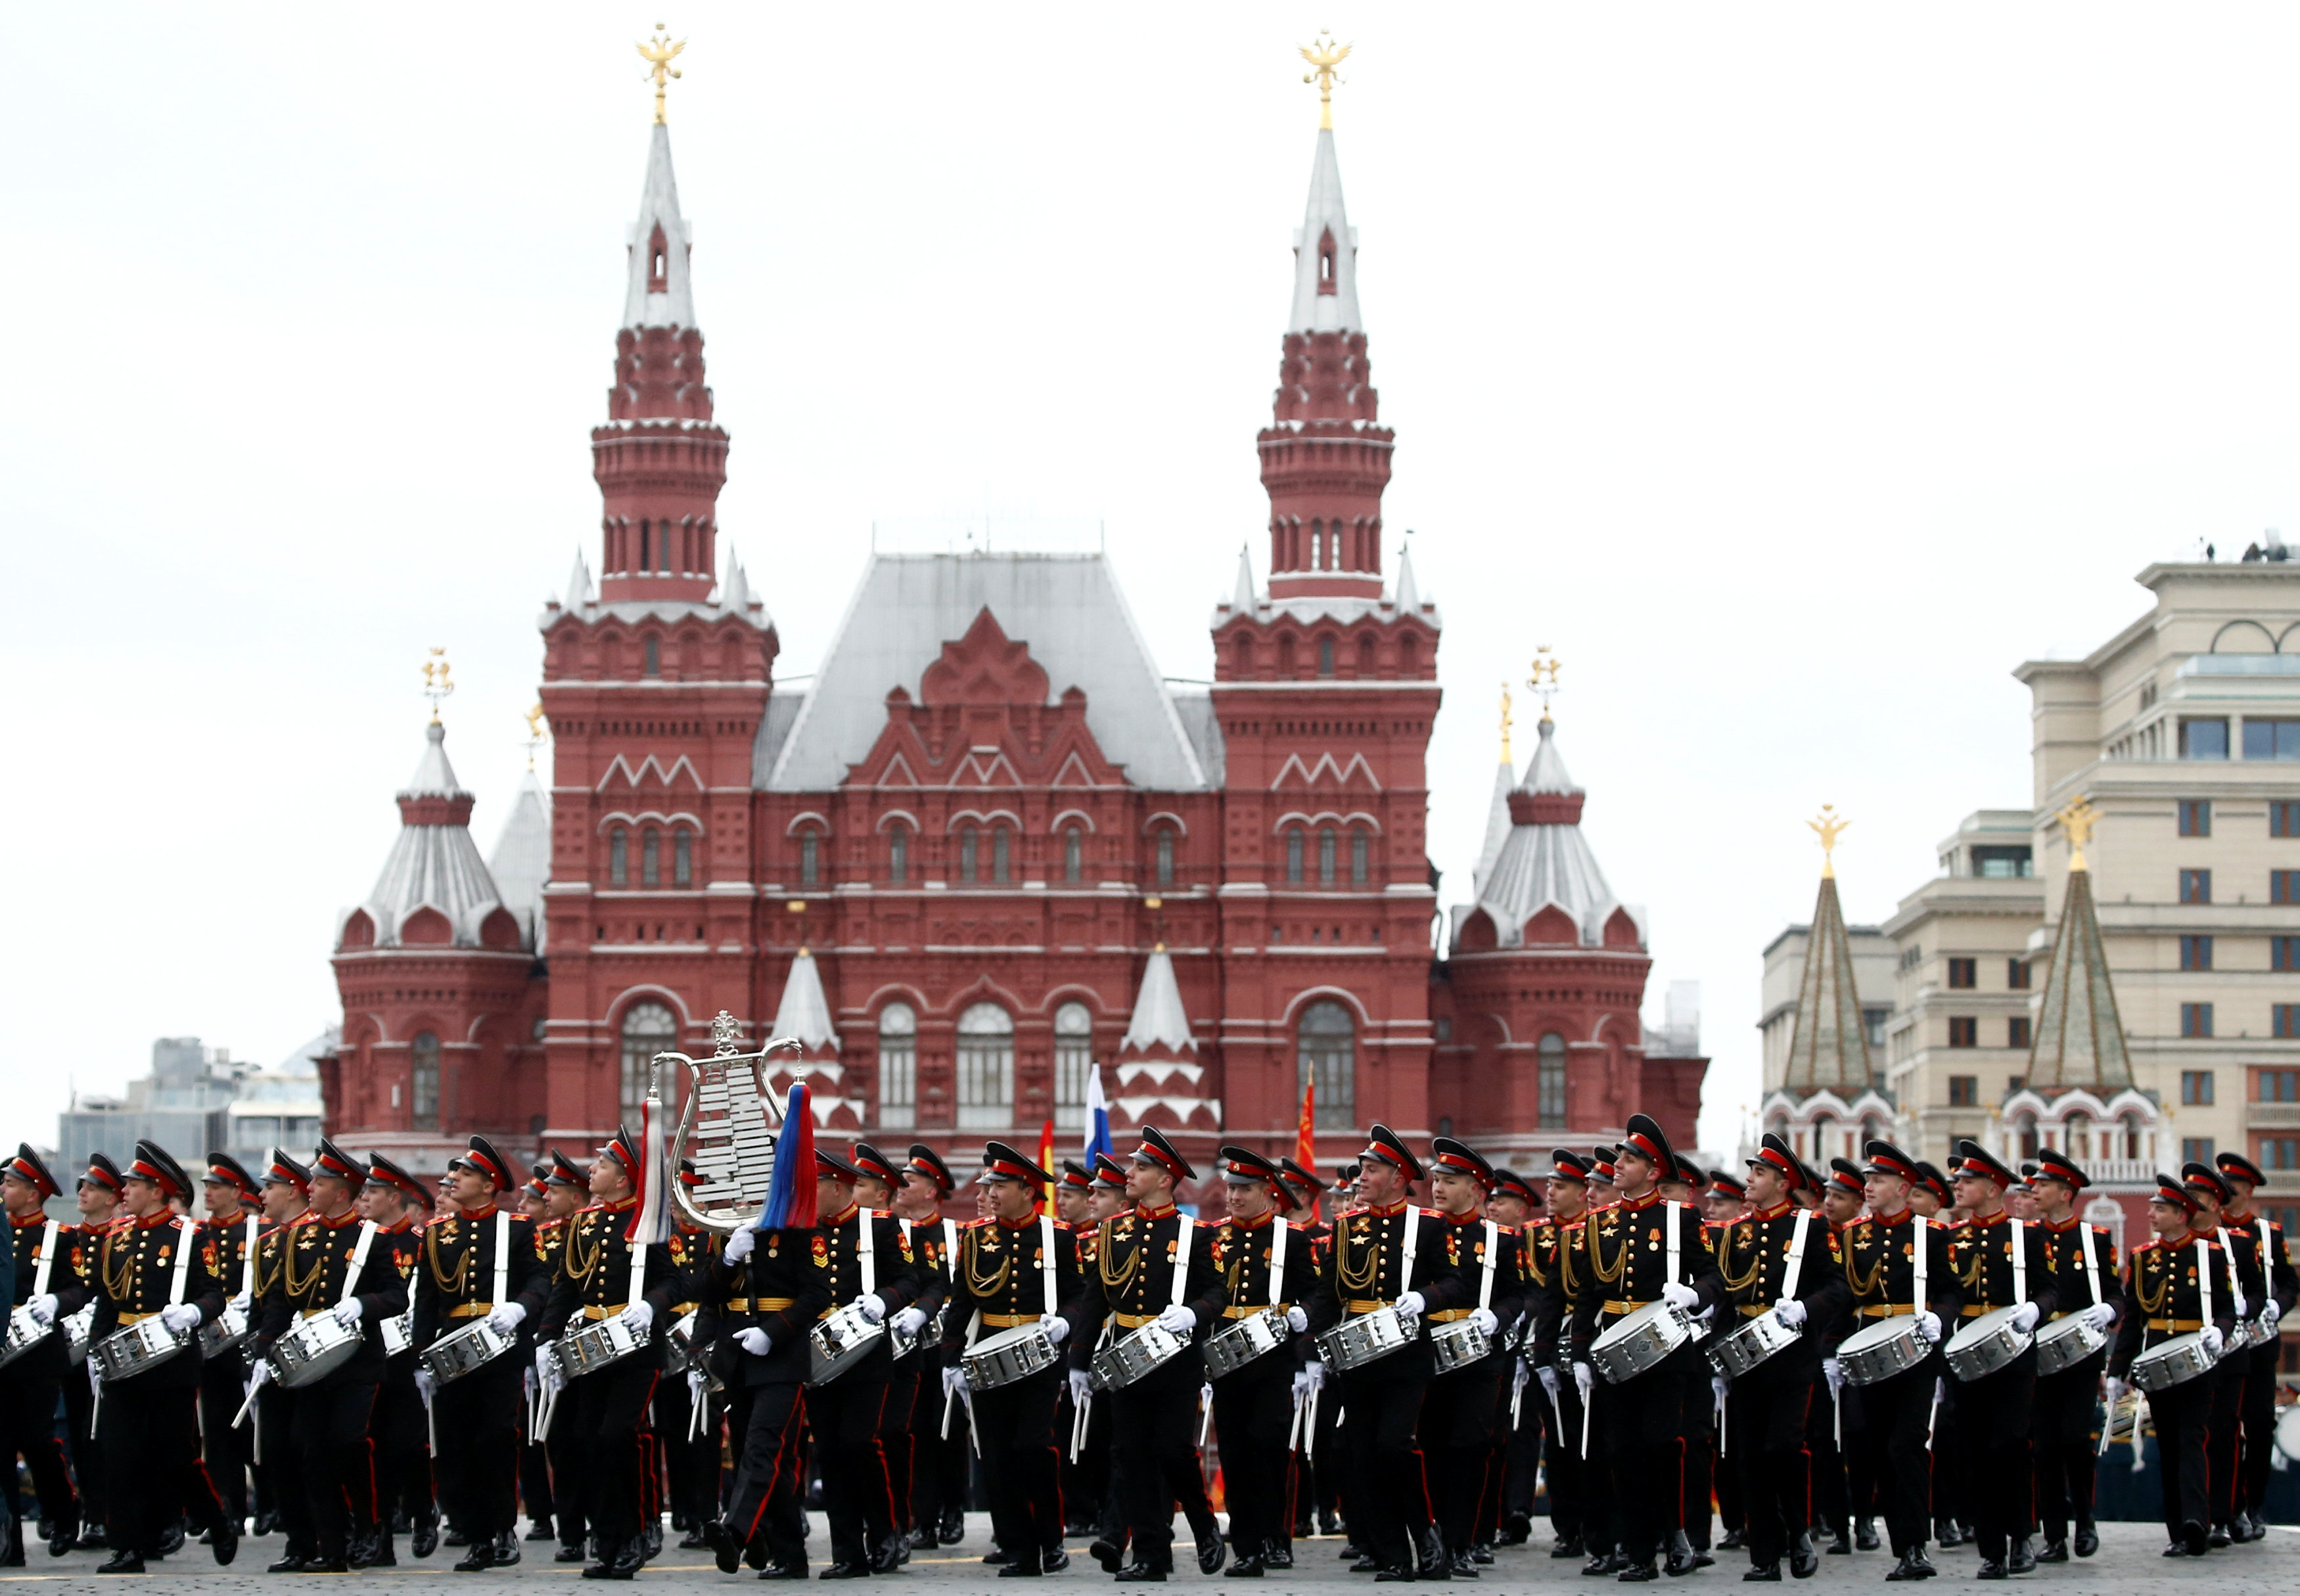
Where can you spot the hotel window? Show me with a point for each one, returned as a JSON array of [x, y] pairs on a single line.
[[2195, 1088], [2196, 1019], [2196, 817], [1551, 1054], [2284, 1020], [2203, 739], [2284, 952], [2284, 887], [2280, 1153], [1165, 858], [1964, 973], [423, 1068], [1964, 1092], [2196, 887], [619, 857], [2016, 1031], [1963, 1031], [898, 852], [2284, 817], [2195, 1150], [682, 857], [1073, 1062], [986, 1067], [1294, 857], [1872, 1025], [1327, 1060], [2276, 1085], [2002, 862], [1073, 855], [966, 849], [898, 1067], [2196, 952], [2016, 973], [2271, 739], [809, 858]]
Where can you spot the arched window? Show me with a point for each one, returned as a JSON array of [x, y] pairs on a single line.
[[650, 858], [1073, 1062], [1294, 856], [1822, 1125], [1001, 853], [1165, 857], [1286, 656], [1358, 851], [1317, 544], [619, 857], [1325, 656], [1074, 854], [662, 550], [2132, 1138], [423, 1082], [809, 857], [1365, 655], [966, 844], [1244, 651], [648, 1029], [986, 1067], [646, 557], [1550, 1052], [653, 650], [898, 852], [682, 857], [2026, 1130], [898, 1065], [1325, 856], [1409, 655], [1327, 1038]]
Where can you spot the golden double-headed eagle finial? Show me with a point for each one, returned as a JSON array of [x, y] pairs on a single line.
[[1323, 57], [1829, 825], [1544, 679], [658, 52], [1508, 721], [2077, 819], [437, 683]]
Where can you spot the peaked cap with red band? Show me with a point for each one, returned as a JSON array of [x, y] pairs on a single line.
[[1301, 1179], [1077, 1176], [1930, 1176], [624, 1148], [103, 1171], [1688, 1173], [1243, 1167], [2235, 1166], [27, 1167], [1724, 1182], [154, 1163], [1461, 1159], [1002, 1162], [689, 1176], [1843, 1176], [925, 1160], [225, 1170], [1976, 1162], [2204, 1179], [284, 1171], [382, 1172], [827, 1162], [1566, 1164], [1386, 1146], [1885, 1158], [332, 1159], [868, 1160], [2170, 1189], [1109, 1174], [1601, 1165], [1156, 1150], [2050, 1165], [540, 1185], [482, 1158], [1773, 1151], [1509, 1183], [564, 1172], [1645, 1138]]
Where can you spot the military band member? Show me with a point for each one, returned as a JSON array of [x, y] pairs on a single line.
[[2243, 1284], [1507, 1518], [2083, 1258], [2244, 1178], [233, 1221], [156, 1264], [1996, 1413], [1151, 1264], [1641, 1252], [1317, 1467], [1556, 1240], [533, 1198], [569, 1189], [30, 1383], [392, 1201], [283, 1503], [458, 1260], [1844, 1482], [1780, 1261], [2169, 1282], [1086, 1469], [1105, 1513], [935, 1463], [604, 1410], [96, 1195], [689, 1439]]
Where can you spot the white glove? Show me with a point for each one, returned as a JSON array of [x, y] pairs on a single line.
[[953, 1381], [507, 1318], [180, 1316], [1684, 1296], [1834, 1373], [694, 1386], [754, 1341], [1790, 1311], [2113, 1392], [1928, 1327], [2025, 1315], [2211, 1338], [96, 1375], [349, 1312], [2099, 1315], [1296, 1320], [2270, 1317], [1412, 1304], [910, 1322], [1081, 1388], [873, 1307], [2241, 1307], [1178, 1320], [1484, 1319], [44, 1308], [258, 1372], [1303, 1385], [739, 1244], [1716, 1388], [1314, 1372], [1585, 1380], [548, 1374], [424, 1384], [1549, 1379], [241, 1303], [1940, 1390], [639, 1316], [1056, 1327]]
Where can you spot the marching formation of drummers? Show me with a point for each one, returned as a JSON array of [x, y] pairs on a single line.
[[348, 1355]]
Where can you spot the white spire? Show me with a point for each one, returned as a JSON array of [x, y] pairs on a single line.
[[1242, 601], [1409, 591], [735, 588], [1547, 773], [672, 304], [521, 864], [579, 584], [434, 777], [1159, 1023], [805, 1012], [1325, 252], [1497, 825]]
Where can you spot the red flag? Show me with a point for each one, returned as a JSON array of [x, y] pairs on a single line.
[[1047, 1157], [1306, 1135]]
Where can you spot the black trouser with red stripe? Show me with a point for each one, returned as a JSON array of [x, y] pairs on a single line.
[[609, 1408], [328, 1434], [1766, 1414], [28, 1421], [1388, 1503], [151, 1438], [1457, 1441], [1254, 1409], [1640, 1425], [1994, 1414], [771, 1474], [478, 1419], [2183, 1415], [1020, 1465], [401, 1430], [2259, 1415], [1899, 1410], [850, 1416], [2224, 1444], [222, 1389], [2066, 1461]]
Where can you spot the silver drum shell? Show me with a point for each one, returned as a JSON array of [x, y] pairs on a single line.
[[78, 1329], [2174, 1362], [222, 1332], [1881, 1350], [142, 1345], [24, 1333], [1735, 1355], [474, 1346], [1129, 1358], [1640, 1341], [1986, 1345], [1254, 1336], [1456, 1344], [314, 1349], [1355, 1343], [2066, 1343], [839, 1343], [597, 1346], [1014, 1353]]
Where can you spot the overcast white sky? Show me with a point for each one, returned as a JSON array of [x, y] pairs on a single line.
[[1793, 370]]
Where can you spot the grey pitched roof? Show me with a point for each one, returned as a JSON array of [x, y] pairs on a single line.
[[1067, 608], [1548, 862], [1204, 728], [431, 865], [774, 730], [1314, 311], [522, 859], [2079, 1037], [1828, 1050], [659, 206], [1497, 826]]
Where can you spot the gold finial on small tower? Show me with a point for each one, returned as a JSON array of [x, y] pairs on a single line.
[[2077, 819], [658, 52], [1829, 825], [1323, 57], [1507, 721], [1544, 679], [437, 685], [539, 730]]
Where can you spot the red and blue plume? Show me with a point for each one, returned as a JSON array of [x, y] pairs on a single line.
[[790, 1194]]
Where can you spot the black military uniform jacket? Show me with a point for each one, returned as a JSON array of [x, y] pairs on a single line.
[[1132, 1282], [1881, 1270], [1753, 1263], [1465, 1247], [2282, 1282], [135, 1266], [2071, 1289], [1981, 1254], [898, 1279], [1628, 1260], [593, 1281], [1556, 1257], [46, 1361], [1240, 1252], [455, 1273], [315, 1259], [1001, 1273], [75, 1284], [2241, 1249], [1363, 1270], [232, 1249], [2165, 1297], [776, 1289]]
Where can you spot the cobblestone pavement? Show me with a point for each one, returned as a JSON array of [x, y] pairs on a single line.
[[2128, 1562]]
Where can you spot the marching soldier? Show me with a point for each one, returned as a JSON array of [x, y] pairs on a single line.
[[1726, 1200], [1507, 1515], [2283, 1290], [2083, 1258], [1642, 1251], [602, 1274], [1550, 1303], [281, 1501], [1263, 1263], [567, 1187], [479, 1265], [393, 1200], [30, 1383], [1150, 1266], [1843, 1487], [233, 1222], [934, 1463], [1105, 1200], [1316, 1469], [1085, 1472], [156, 1266], [1464, 1403], [2172, 1286], [2243, 1284], [1780, 1261], [96, 1195], [689, 1438], [1388, 1254]]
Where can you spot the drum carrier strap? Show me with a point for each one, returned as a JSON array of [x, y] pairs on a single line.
[[503, 1256], [1919, 1256], [2227, 1257], [49, 1235], [2092, 1268], [2204, 1281], [1181, 1256], [1411, 1239], [247, 1253], [1790, 1277], [1277, 1255], [865, 1250], [368, 1228], [1669, 1222], [1485, 1281], [1046, 1262], [184, 1261], [2019, 1264]]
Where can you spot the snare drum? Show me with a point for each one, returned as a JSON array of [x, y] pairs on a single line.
[[79, 1328], [1640, 1341], [474, 1346], [2066, 1343], [1355, 1343], [595, 1346], [24, 1333], [1878, 1352], [222, 1332], [314, 1349], [1131, 1357], [1008, 1357], [1735, 1355], [1457, 1344], [1256, 1334], [398, 1335], [2174, 1362], [839, 1343], [1988, 1344], [142, 1345]]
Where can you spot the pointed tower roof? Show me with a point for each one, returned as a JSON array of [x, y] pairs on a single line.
[[434, 865], [580, 591], [1545, 863], [521, 863], [1325, 252], [1828, 1050], [1160, 1026], [1409, 591], [659, 293], [1497, 809], [805, 1012], [2079, 1038], [1241, 598]]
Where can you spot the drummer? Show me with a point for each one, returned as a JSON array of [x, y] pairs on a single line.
[[2083, 1258], [566, 1187], [2283, 1286], [1557, 1263], [1642, 1252], [1929, 1195], [2167, 1282], [1996, 1412], [1689, 1541], [1459, 1413], [2242, 1282], [1318, 1470], [936, 1462], [400, 1431], [879, 1178], [1507, 1517], [1726, 1200], [1844, 1478], [30, 1382], [96, 1195], [461, 1261]]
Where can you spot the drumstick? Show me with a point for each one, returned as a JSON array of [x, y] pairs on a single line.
[[973, 1437], [1837, 1414], [949, 1400], [1585, 1424], [1931, 1413], [1294, 1427], [431, 1423], [241, 1417], [2138, 1460], [1206, 1412]]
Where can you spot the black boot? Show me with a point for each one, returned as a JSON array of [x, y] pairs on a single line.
[[1431, 1561], [725, 1548], [1141, 1573], [537, 1529], [1804, 1561], [1023, 1565], [2087, 1538], [1679, 1562], [1211, 1550], [1765, 1573], [1567, 1546], [223, 1539], [1109, 1553], [895, 1551], [479, 1559], [951, 1529], [506, 1551], [423, 1539], [2055, 1551], [1906, 1568], [121, 1562], [1864, 1535], [2193, 1536], [61, 1534], [2023, 1560], [1840, 1541], [1247, 1566], [1639, 1572], [1732, 1541]]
